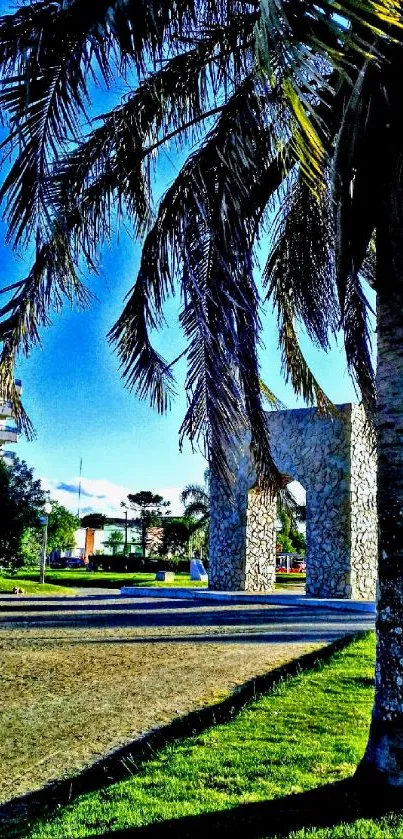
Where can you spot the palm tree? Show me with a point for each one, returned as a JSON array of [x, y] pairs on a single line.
[[238, 78], [196, 501], [261, 89]]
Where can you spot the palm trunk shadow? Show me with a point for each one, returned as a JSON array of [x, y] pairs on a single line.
[[327, 806]]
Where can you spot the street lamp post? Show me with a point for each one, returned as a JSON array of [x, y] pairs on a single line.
[[124, 505], [44, 521]]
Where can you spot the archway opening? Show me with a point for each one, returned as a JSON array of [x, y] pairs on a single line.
[[291, 543]]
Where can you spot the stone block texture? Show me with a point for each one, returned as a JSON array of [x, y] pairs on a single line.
[[333, 458], [242, 531]]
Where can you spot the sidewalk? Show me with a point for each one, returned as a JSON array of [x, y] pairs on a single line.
[[242, 597]]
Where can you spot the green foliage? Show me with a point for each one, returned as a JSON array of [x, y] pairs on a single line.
[[21, 502], [290, 539], [94, 520], [30, 547], [196, 501], [61, 528], [176, 535], [148, 506], [285, 542], [115, 541], [298, 540]]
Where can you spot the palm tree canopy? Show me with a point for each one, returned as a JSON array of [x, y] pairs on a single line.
[[258, 89], [196, 501]]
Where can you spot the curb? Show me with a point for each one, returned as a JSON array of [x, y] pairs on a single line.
[[240, 598]]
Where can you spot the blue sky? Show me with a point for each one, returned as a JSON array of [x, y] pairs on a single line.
[[80, 408]]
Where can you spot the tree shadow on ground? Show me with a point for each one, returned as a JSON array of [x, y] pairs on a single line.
[[326, 806], [119, 764]]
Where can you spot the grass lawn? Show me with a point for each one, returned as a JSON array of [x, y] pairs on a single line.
[[30, 586], [106, 579], [109, 579], [277, 769], [290, 581]]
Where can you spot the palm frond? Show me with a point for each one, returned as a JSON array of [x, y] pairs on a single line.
[[194, 494], [288, 37], [300, 276], [286, 501], [357, 341], [369, 123], [300, 265], [52, 278], [270, 397], [205, 232], [172, 103]]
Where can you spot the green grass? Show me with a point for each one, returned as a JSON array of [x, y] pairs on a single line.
[[285, 580], [109, 579], [305, 733], [30, 587], [105, 579]]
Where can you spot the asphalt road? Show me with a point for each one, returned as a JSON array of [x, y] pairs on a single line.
[[159, 618]]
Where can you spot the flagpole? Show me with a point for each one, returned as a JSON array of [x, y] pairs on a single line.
[[79, 488]]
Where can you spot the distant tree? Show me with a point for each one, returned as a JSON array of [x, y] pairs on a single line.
[[114, 541], [196, 501], [22, 500], [30, 547], [176, 535], [298, 541], [288, 537], [94, 520], [62, 525], [148, 507]]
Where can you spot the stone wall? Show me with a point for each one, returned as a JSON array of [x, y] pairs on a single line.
[[332, 458], [364, 522], [260, 559], [242, 531]]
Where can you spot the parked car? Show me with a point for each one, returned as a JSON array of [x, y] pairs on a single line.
[[298, 566], [58, 562], [75, 562]]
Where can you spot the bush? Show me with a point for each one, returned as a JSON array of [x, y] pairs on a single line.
[[136, 563]]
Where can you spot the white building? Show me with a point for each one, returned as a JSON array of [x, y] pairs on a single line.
[[9, 431]]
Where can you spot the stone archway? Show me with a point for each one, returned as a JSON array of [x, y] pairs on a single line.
[[333, 459]]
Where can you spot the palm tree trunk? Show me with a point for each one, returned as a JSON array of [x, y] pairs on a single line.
[[383, 760]]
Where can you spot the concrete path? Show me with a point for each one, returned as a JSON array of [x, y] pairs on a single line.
[[275, 598], [83, 675]]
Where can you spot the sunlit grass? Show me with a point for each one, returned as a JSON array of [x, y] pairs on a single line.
[[29, 586], [107, 579]]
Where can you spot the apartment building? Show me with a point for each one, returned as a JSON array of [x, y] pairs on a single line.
[[9, 431]]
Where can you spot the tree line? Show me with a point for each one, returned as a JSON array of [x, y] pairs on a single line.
[[22, 504]]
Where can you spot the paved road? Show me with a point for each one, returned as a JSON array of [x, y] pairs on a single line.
[[270, 624]]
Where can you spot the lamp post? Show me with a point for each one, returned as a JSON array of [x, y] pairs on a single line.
[[44, 522], [124, 505]]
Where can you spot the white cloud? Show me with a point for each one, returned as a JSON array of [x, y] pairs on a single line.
[[103, 496], [99, 495]]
